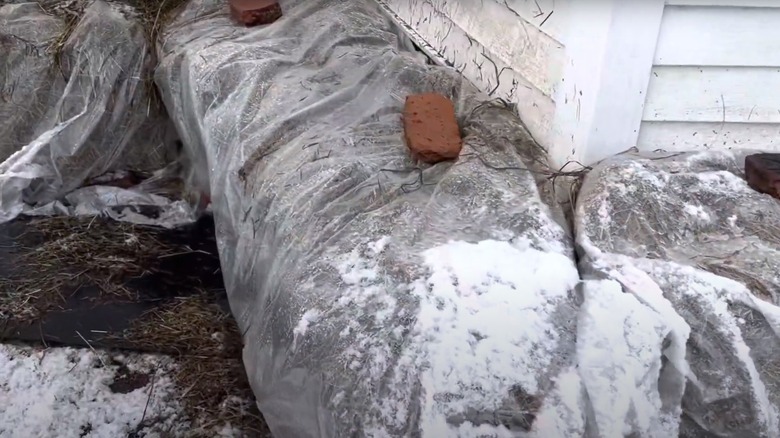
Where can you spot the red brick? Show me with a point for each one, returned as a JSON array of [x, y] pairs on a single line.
[[431, 129], [255, 12], [763, 173]]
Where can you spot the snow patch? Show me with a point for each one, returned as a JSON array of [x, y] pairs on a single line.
[[65, 392], [723, 181], [484, 318], [697, 211], [619, 354], [309, 317], [563, 413]]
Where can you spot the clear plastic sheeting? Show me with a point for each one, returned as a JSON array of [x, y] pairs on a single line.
[[377, 298], [696, 252], [73, 102], [125, 205]]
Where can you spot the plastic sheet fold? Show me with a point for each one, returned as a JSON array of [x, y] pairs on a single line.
[[378, 297], [73, 100], [685, 236]]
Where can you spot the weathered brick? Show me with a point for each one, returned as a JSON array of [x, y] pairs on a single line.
[[431, 129], [763, 173], [255, 12]]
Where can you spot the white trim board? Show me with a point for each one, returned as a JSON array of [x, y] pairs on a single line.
[[544, 15], [610, 48], [720, 36], [730, 3], [685, 136], [714, 94]]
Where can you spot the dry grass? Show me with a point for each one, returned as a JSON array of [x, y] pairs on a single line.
[[771, 370], [190, 325], [70, 12], [153, 16], [569, 176], [70, 252], [765, 232], [215, 389], [65, 252], [529, 404], [726, 270]]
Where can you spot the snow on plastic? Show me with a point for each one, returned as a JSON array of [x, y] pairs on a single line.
[[481, 299], [687, 249]]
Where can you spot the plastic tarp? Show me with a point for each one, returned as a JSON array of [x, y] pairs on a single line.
[[693, 251], [377, 297], [73, 102]]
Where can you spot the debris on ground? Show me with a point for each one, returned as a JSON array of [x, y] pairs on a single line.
[[107, 286], [207, 344], [120, 261]]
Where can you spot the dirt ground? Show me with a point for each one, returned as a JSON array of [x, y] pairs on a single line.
[[117, 288]]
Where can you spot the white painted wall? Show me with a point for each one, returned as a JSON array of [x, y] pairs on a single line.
[[609, 53], [594, 78], [497, 44], [576, 70], [715, 81]]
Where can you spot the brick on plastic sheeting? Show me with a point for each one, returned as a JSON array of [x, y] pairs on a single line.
[[255, 12], [430, 128], [762, 172]]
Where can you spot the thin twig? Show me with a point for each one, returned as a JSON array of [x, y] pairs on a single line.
[[92, 348], [149, 399]]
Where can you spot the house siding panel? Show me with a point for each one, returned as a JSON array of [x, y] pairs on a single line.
[[716, 77]]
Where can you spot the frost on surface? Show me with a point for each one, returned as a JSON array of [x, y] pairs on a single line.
[[488, 310], [378, 298], [692, 244]]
